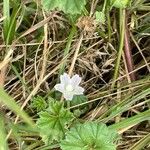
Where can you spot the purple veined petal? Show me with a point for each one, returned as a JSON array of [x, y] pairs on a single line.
[[64, 79], [78, 90], [59, 87], [68, 96], [75, 80]]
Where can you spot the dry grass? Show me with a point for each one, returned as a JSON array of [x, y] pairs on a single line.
[[37, 54]]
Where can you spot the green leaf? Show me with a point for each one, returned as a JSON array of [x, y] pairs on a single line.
[[78, 99], [100, 17], [53, 123], [67, 6], [39, 103], [90, 136], [120, 3], [73, 6], [51, 4]]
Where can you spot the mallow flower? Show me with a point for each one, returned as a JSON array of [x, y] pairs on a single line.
[[69, 86]]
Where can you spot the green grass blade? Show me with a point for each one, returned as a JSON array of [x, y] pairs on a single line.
[[34, 145], [46, 147], [3, 143], [141, 143], [12, 25], [20, 78], [132, 120], [11, 104], [124, 105], [6, 14]]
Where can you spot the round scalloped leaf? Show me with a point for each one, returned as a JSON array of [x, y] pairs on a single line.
[[67, 6], [50, 4], [53, 122], [74, 6], [90, 135], [120, 3]]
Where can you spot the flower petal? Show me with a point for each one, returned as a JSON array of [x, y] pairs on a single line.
[[75, 80], [59, 87], [78, 90], [64, 79], [68, 96]]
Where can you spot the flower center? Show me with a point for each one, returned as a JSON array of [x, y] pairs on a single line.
[[69, 88]]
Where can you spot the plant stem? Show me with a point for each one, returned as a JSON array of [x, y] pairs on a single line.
[[122, 33], [127, 51], [108, 23], [104, 6]]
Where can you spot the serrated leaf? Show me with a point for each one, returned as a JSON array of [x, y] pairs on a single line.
[[38, 103], [90, 135], [100, 17], [67, 6], [53, 122], [120, 3]]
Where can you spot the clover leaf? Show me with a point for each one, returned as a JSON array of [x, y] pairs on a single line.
[[90, 136], [53, 123]]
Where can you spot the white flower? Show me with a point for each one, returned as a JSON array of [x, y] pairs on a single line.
[[69, 86]]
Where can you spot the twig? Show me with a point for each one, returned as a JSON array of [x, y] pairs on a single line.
[[44, 50], [75, 54]]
